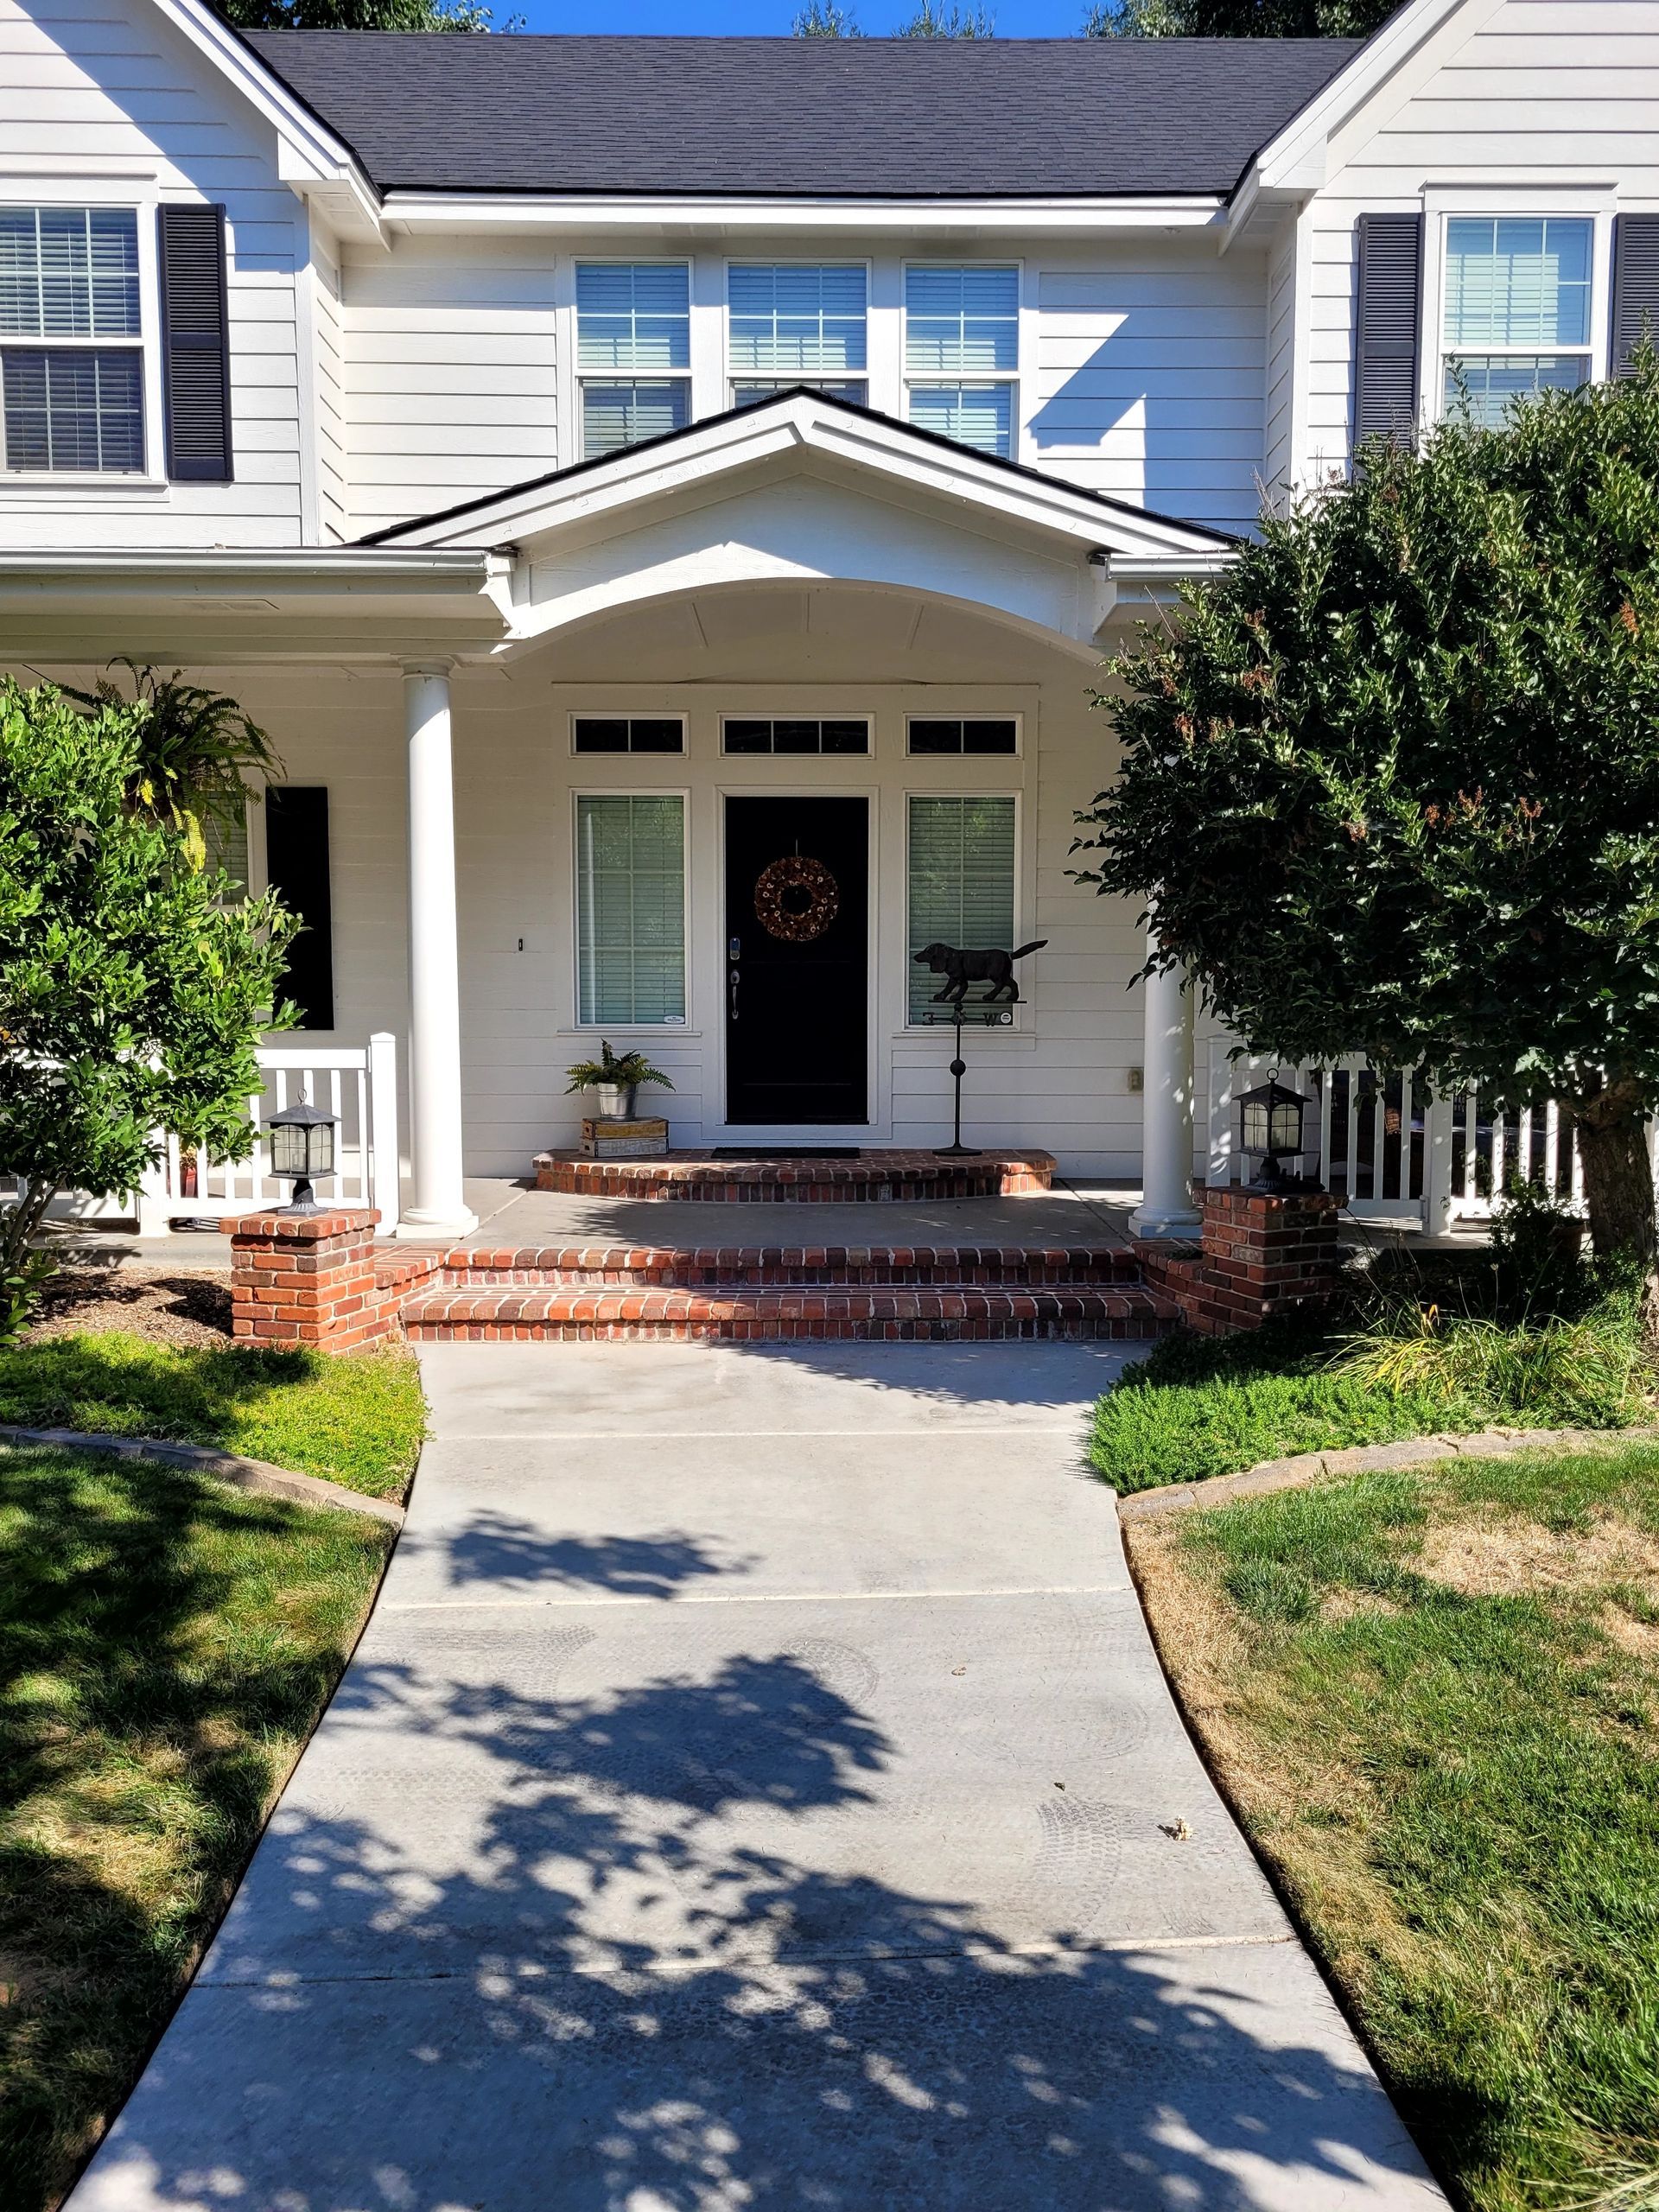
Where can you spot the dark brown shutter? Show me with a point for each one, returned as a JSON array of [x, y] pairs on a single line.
[[195, 344], [296, 868], [1635, 286], [1386, 322]]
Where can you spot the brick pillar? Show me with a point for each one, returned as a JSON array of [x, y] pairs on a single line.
[[308, 1279], [1261, 1254]]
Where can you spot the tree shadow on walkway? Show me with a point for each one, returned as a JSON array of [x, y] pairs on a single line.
[[505, 1948]]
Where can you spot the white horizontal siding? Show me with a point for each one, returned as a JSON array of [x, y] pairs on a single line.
[[1148, 378], [451, 385], [329, 340], [121, 91]]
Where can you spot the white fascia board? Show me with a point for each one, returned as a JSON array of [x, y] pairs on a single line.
[[715, 216], [887, 450], [310, 151], [1294, 160]]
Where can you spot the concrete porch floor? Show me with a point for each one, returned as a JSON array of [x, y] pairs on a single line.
[[510, 1212]]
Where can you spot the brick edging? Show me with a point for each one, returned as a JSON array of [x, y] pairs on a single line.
[[256, 1476], [1303, 1469]]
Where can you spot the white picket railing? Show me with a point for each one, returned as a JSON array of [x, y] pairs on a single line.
[[358, 1084], [1394, 1154]]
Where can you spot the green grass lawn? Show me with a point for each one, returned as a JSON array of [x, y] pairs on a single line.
[[1204, 1405], [165, 1645], [1433, 1700], [357, 1421]]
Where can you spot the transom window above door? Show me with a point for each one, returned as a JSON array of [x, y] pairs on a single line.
[[962, 352], [934, 735], [73, 400], [1518, 309], [628, 733], [633, 351], [790, 323], [743, 733]]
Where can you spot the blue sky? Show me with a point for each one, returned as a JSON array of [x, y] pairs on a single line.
[[1015, 18]]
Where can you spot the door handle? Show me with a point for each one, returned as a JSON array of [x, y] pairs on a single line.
[[732, 1003]]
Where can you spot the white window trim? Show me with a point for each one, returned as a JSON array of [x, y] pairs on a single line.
[[796, 760], [583, 377], [731, 377], [965, 715], [580, 791], [1022, 1009], [1597, 205], [143, 195], [925, 382], [626, 714]]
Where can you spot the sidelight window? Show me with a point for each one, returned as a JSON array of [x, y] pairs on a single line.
[[959, 882], [630, 908]]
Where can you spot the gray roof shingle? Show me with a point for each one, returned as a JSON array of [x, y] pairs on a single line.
[[904, 118]]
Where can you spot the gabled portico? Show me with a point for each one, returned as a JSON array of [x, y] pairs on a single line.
[[801, 559]]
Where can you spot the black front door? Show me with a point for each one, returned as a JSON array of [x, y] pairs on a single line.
[[797, 931]]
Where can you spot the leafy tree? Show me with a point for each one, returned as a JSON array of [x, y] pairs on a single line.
[[1392, 782], [360, 16], [932, 20], [1236, 18], [826, 19], [196, 749], [133, 986]]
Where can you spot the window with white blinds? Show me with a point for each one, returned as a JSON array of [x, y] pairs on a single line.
[[630, 908], [1517, 310], [960, 888], [794, 321], [69, 277], [633, 316], [962, 352]]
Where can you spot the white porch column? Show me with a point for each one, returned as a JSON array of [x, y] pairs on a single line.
[[1167, 1207], [436, 1207]]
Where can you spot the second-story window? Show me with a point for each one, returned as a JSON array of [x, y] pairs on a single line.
[[71, 358], [1518, 309], [633, 351], [962, 352], [791, 323]]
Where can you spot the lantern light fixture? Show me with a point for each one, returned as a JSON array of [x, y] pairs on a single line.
[[1269, 1131], [302, 1147]]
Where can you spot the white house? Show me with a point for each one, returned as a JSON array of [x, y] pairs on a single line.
[[608, 465]]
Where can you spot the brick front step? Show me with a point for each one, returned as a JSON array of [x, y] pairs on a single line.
[[932, 1314], [721, 1266], [875, 1176]]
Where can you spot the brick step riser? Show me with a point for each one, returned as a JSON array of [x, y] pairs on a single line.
[[843, 1330], [876, 1276]]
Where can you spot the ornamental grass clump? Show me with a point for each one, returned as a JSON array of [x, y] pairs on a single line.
[[1591, 1370]]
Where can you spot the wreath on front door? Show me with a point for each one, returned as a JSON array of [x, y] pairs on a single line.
[[796, 899]]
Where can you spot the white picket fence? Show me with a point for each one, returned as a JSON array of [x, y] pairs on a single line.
[[356, 1083], [1397, 1156]]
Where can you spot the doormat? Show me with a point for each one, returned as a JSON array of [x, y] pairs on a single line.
[[775, 1152]]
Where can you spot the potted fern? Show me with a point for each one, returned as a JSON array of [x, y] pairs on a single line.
[[616, 1077]]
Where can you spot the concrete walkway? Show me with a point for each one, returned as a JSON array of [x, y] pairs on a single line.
[[756, 1789]]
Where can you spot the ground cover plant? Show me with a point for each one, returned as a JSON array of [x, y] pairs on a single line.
[[357, 1421], [1433, 1700], [165, 1645]]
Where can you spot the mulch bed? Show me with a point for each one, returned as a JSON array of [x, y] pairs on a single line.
[[164, 1306]]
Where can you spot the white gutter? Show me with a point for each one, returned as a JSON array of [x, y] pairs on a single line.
[[716, 214]]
